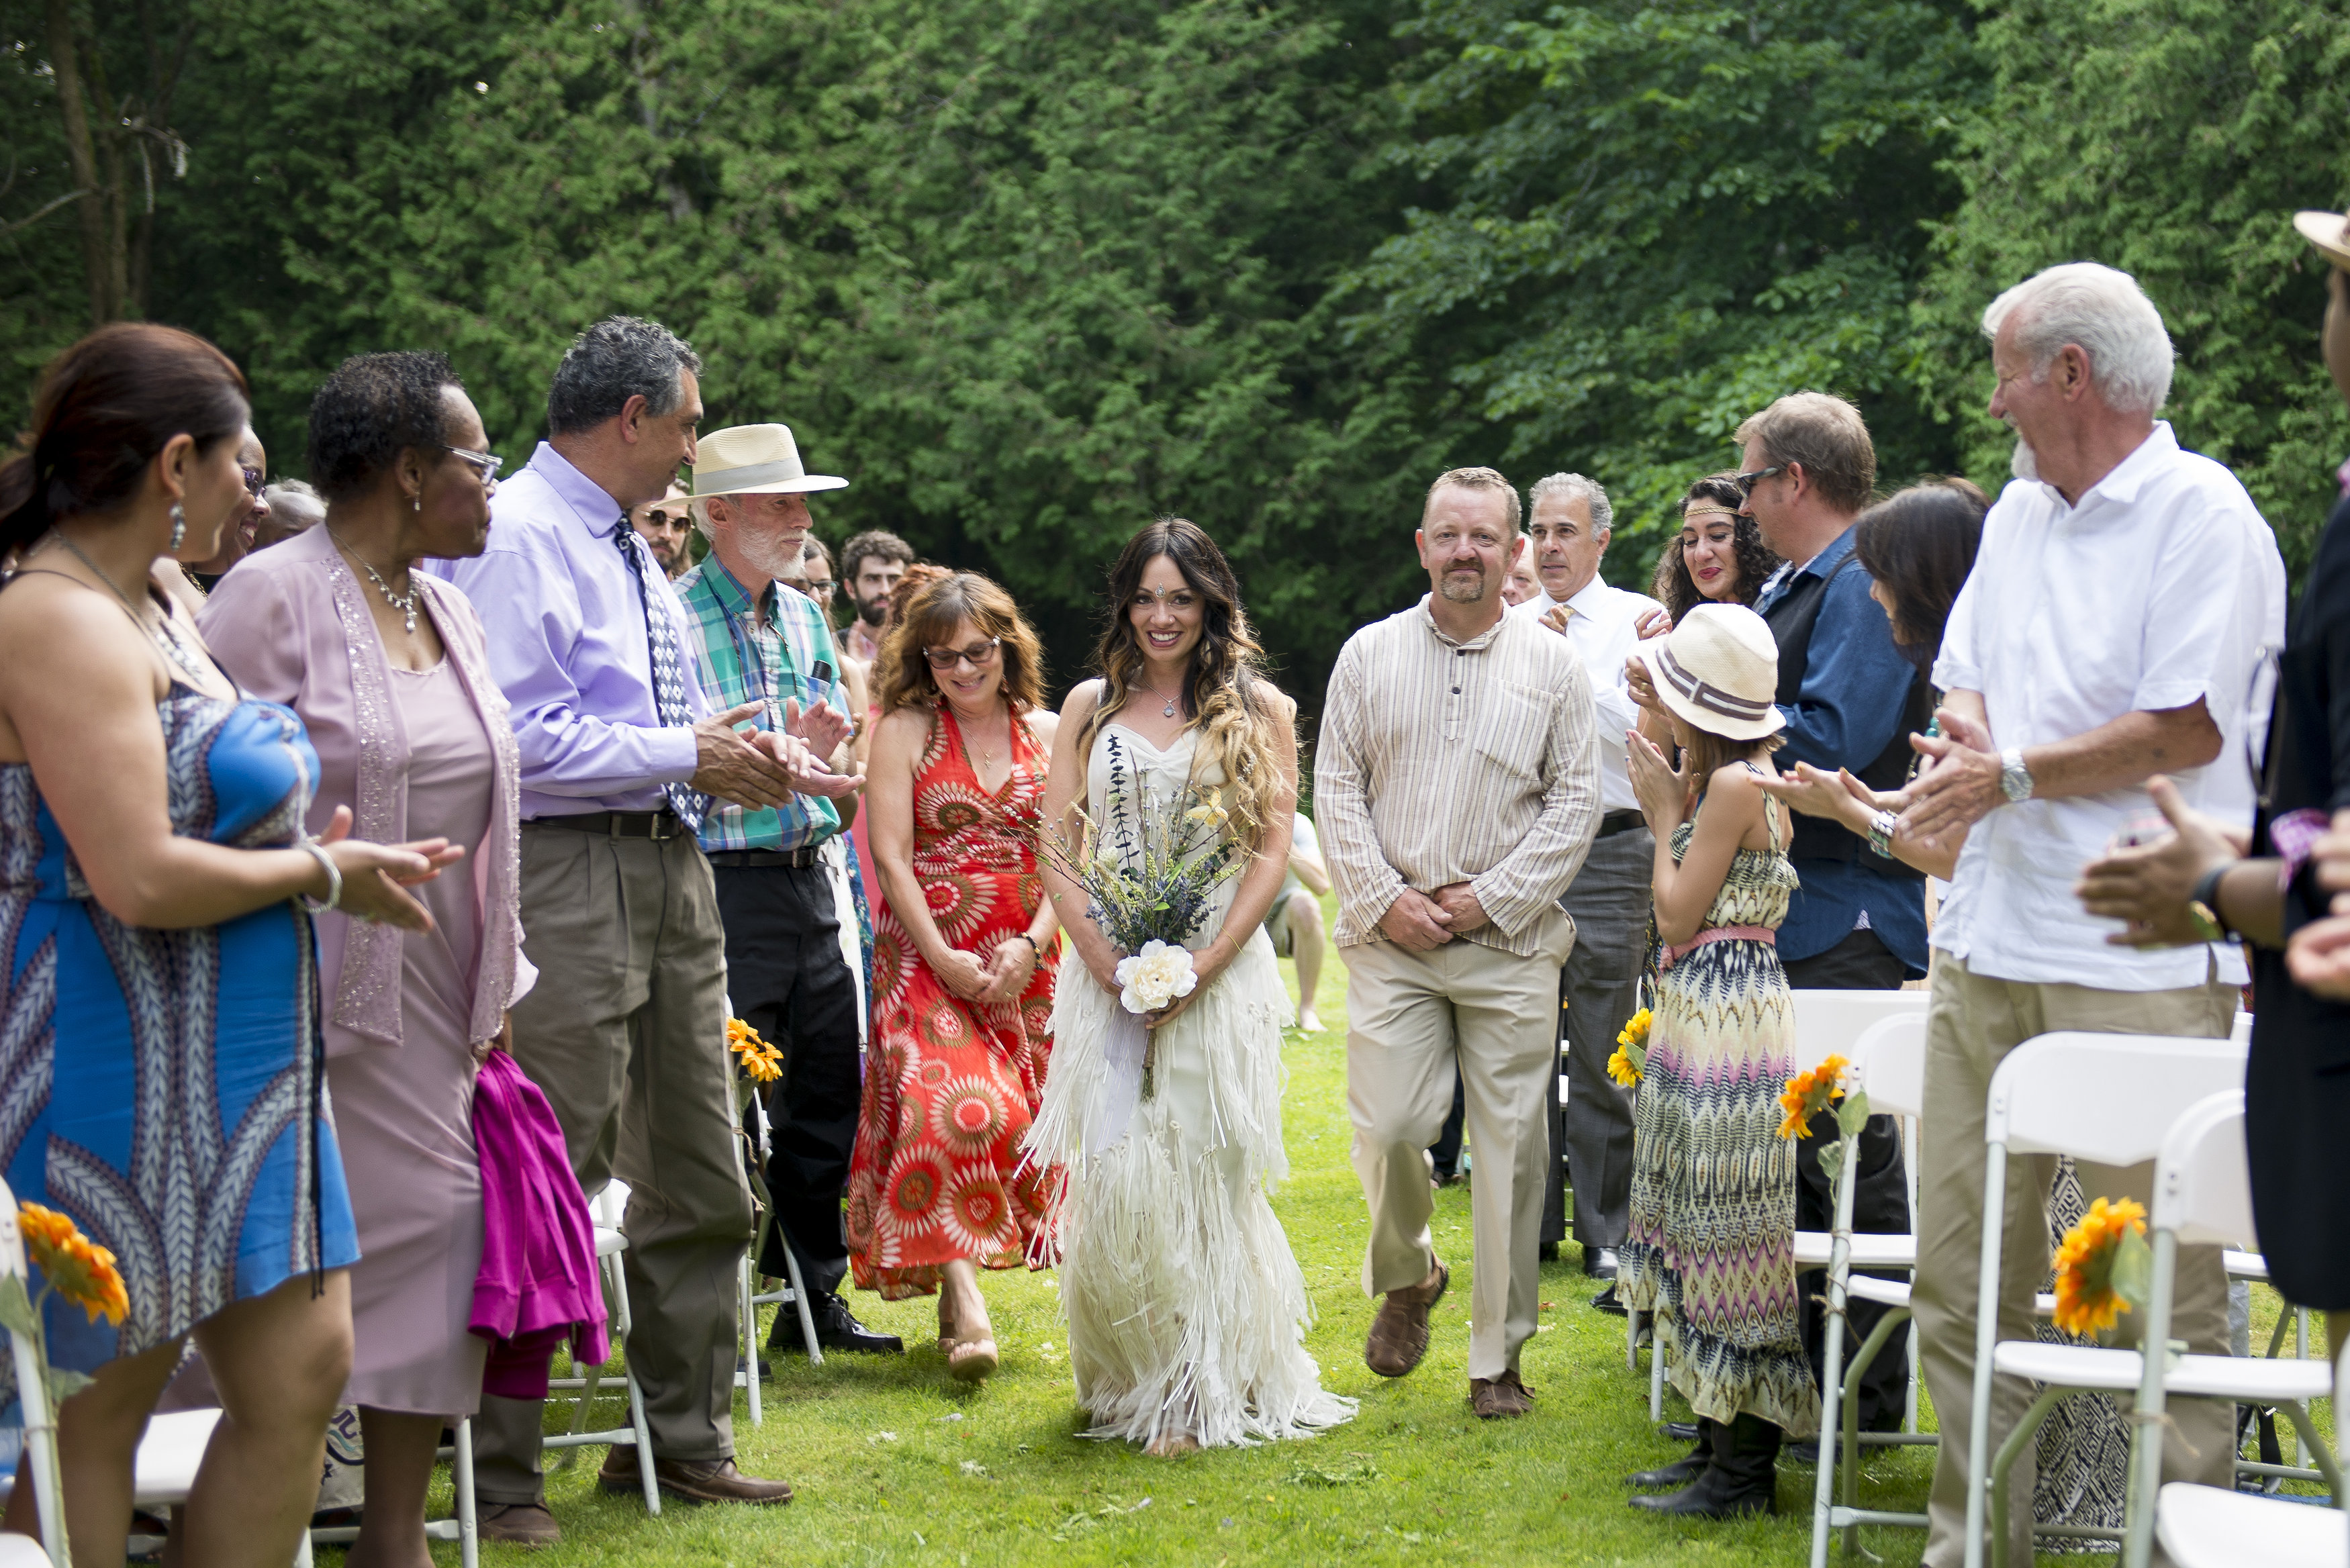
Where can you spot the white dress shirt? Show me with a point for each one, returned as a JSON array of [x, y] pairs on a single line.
[[2163, 585], [1603, 631]]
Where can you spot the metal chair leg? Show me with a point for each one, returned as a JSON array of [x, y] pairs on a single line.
[[461, 1473]]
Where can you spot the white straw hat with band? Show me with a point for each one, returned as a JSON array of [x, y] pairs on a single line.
[[1719, 669], [755, 460]]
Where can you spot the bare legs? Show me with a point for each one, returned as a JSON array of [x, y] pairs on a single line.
[[964, 1330], [399, 1450], [1306, 941], [98, 1432]]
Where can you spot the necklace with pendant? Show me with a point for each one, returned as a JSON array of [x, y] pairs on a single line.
[[167, 639], [1169, 710], [405, 603]]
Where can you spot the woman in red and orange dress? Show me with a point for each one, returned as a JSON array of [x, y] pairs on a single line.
[[964, 953]]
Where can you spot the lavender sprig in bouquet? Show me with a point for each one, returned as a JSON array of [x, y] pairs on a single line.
[[1150, 872]]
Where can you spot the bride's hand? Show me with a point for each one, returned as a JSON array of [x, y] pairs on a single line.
[[1205, 968]]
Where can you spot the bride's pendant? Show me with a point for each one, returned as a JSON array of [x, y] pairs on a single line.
[[1169, 710]]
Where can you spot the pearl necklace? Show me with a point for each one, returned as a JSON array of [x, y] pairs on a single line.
[[405, 603]]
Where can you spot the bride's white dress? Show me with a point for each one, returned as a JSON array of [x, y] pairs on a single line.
[[1187, 1310]]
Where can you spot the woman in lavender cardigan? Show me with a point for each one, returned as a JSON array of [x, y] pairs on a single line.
[[385, 666]]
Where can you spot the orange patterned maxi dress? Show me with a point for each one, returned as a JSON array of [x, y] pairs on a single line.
[[952, 1086]]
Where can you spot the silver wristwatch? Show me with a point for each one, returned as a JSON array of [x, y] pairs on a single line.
[[2014, 778]]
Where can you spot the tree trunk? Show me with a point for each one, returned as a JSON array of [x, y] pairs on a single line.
[[97, 263]]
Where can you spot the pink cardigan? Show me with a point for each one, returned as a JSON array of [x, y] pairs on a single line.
[[291, 625]]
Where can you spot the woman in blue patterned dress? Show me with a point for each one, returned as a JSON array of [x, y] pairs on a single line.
[[1710, 1252], [159, 1075]]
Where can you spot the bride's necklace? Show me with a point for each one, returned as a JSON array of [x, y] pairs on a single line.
[[167, 639], [1169, 710], [405, 603]]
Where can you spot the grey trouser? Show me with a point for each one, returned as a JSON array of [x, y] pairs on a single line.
[[1974, 1023], [1609, 900], [1414, 1020], [625, 1033]]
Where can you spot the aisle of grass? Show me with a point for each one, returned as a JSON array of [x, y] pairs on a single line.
[[894, 1464]]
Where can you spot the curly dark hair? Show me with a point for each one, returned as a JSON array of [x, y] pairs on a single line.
[[1676, 591], [370, 409]]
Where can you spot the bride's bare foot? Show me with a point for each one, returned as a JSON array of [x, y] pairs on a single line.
[[1173, 1446]]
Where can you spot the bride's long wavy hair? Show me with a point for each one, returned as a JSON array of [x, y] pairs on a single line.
[[1224, 692]]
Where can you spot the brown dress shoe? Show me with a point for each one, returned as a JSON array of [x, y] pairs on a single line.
[[695, 1480], [1504, 1395], [517, 1524], [1398, 1336]]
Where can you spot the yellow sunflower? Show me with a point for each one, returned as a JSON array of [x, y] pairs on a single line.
[[75, 1267], [1810, 1093], [763, 1062], [2086, 1302]]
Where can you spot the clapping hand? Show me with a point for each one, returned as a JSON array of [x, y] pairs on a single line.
[[2147, 887], [745, 769], [1960, 782], [1641, 687], [1653, 624], [1817, 792], [820, 725], [376, 876], [804, 768], [2318, 957], [1663, 789], [1555, 618]]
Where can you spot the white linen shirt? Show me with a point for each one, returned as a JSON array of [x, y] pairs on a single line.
[[1603, 631], [2163, 585]]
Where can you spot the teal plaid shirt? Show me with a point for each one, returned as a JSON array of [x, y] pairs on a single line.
[[739, 661]]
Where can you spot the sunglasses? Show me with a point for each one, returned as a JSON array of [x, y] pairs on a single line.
[[485, 464], [980, 655], [1749, 480], [660, 518]]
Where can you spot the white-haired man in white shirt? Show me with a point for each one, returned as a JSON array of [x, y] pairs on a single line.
[[1569, 525], [2111, 629]]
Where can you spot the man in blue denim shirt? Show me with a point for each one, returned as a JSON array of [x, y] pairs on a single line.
[[1851, 700]]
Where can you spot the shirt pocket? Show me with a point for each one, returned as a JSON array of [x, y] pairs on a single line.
[[1512, 730]]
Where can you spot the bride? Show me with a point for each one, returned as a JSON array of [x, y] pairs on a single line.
[[1186, 1309]]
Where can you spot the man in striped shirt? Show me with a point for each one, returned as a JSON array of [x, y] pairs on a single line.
[[1456, 789], [756, 640]]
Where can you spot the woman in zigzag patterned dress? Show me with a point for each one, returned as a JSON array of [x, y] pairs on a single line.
[[1710, 1252]]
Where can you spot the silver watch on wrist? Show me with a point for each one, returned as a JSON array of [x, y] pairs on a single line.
[[2014, 778]]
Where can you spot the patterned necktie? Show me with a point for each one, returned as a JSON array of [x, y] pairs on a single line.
[[668, 679]]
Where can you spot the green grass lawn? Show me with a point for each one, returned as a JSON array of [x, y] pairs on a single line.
[[894, 1463]]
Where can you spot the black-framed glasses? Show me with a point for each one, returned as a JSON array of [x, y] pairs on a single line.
[[979, 655], [821, 588], [1749, 480], [485, 464]]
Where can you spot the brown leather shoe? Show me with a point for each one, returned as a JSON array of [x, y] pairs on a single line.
[[695, 1480], [517, 1524], [1495, 1397], [1398, 1336]]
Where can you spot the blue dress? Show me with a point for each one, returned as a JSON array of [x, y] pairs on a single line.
[[163, 1088]]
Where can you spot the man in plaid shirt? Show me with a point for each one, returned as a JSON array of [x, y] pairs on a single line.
[[758, 641]]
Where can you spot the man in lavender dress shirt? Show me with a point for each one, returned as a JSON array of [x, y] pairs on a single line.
[[625, 1033]]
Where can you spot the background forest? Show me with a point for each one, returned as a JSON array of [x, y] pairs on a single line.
[[1031, 271]]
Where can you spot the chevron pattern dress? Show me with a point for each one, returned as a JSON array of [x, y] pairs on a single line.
[[163, 1087], [1712, 1249]]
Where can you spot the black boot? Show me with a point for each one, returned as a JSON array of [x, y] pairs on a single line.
[[1743, 1478], [1686, 1468]]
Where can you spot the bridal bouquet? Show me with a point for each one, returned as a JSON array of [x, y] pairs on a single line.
[[1150, 870]]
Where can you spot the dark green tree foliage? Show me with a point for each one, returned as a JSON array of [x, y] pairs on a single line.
[[2172, 139], [1664, 215]]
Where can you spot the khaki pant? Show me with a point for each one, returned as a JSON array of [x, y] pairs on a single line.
[[1975, 1022], [1414, 1021], [625, 1031]]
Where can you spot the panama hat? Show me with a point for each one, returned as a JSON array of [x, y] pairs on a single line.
[[2329, 232], [755, 460], [1719, 671]]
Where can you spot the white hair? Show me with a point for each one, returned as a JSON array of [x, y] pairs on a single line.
[[1567, 486], [2103, 313]]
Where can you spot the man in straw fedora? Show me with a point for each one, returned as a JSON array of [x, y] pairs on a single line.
[[757, 641], [1457, 785], [2110, 629], [623, 756]]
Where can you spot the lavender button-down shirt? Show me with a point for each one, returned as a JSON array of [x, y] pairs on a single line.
[[566, 644]]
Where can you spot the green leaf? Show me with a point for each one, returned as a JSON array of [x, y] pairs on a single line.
[[1832, 1160], [16, 1314], [2133, 1275], [64, 1384], [1853, 1115]]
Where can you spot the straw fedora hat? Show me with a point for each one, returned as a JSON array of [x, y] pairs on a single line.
[[1719, 671], [755, 460], [2329, 232]]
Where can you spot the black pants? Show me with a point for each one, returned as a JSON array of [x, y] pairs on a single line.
[[1880, 1199], [786, 977]]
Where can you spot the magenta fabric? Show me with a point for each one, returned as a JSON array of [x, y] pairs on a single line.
[[538, 1287]]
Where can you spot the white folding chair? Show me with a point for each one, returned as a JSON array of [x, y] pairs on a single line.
[[2211, 1527], [40, 1421], [2108, 1098], [609, 1209], [465, 1529], [1828, 1023], [792, 1292]]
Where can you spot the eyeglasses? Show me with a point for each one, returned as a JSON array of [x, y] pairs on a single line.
[[1749, 480], [979, 655], [253, 482], [485, 464], [820, 587], [661, 519]]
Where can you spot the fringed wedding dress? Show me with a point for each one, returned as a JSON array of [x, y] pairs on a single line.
[[1187, 1310]]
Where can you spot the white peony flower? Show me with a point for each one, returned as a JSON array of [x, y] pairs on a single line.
[[1156, 976]]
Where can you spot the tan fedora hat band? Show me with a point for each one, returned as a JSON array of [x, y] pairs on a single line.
[[1712, 699]]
